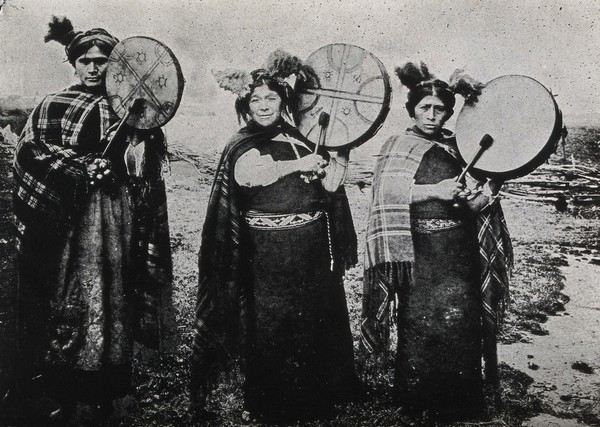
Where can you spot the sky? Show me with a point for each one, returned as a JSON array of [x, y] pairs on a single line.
[[555, 42]]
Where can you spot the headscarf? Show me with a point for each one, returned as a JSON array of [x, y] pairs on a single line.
[[78, 42]]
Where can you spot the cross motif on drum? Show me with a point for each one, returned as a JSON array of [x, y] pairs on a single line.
[[353, 88], [141, 68]]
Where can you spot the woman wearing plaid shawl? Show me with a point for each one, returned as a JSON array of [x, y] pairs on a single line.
[[437, 258], [274, 249], [94, 257]]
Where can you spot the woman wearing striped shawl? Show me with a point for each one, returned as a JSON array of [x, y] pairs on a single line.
[[437, 258], [94, 257], [274, 249]]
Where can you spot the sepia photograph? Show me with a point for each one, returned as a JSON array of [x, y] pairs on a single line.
[[300, 213]]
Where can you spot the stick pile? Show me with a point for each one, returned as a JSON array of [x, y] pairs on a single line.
[[565, 185]]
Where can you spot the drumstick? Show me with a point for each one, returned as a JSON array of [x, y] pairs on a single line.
[[485, 143], [136, 107], [323, 123]]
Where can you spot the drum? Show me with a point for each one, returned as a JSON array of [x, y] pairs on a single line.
[[522, 119], [143, 68], [353, 88]]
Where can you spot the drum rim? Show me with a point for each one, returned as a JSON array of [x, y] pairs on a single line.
[[535, 161]]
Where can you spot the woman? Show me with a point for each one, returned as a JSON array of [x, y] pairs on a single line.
[[94, 257], [274, 249], [423, 256]]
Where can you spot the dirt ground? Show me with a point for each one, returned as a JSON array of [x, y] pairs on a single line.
[[552, 249]]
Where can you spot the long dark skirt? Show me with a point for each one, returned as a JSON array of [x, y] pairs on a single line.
[[439, 333], [83, 331], [300, 354]]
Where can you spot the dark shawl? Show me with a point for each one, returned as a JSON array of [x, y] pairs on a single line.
[[222, 313]]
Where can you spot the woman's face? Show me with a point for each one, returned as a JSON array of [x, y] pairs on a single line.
[[265, 106], [90, 68], [430, 115]]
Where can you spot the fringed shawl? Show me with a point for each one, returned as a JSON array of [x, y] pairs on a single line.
[[222, 312], [389, 246]]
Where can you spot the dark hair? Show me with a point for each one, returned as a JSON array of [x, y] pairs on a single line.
[[421, 83], [262, 77], [437, 88]]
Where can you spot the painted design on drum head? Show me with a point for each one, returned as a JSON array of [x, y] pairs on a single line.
[[143, 68], [353, 88]]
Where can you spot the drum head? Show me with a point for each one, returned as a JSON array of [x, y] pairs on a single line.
[[522, 118], [353, 88], [141, 67]]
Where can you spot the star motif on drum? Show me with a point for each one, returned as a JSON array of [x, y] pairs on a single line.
[[357, 78], [327, 74], [346, 110], [119, 77], [141, 57], [162, 81]]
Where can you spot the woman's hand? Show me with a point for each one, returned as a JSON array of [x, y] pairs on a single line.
[[311, 163], [449, 189], [446, 190], [100, 173], [495, 185]]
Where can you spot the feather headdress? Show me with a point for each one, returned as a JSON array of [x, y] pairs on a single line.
[[411, 74], [465, 85], [232, 80], [281, 66], [60, 29], [416, 77]]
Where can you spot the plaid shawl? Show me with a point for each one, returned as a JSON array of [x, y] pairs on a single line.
[[49, 170], [51, 189], [389, 247], [222, 312]]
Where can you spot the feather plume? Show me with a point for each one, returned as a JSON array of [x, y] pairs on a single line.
[[465, 85], [282, 64], [411, 74], [291, 69], [60, 29], [232, 80]]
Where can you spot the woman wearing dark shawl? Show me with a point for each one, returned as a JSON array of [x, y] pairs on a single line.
[[275, 246], [437, 258], [94, 258]]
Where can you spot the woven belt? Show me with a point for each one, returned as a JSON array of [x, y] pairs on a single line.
[[426, 226], [265, 220]]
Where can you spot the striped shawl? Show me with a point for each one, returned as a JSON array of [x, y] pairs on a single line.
[[389, 247]]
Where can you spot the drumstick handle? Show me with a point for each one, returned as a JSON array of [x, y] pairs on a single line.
[[484, 144], [134, 108], [323, 124]]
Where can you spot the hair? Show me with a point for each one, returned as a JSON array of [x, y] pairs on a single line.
[[421, 83], [77, 43], [262, 77]]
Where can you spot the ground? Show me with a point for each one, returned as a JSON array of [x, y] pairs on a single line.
[[545, 243]]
